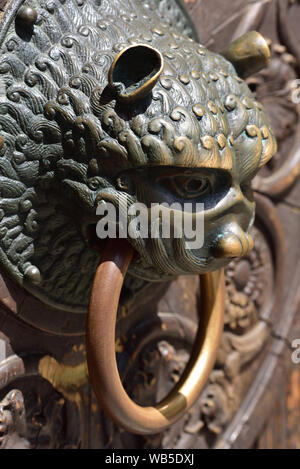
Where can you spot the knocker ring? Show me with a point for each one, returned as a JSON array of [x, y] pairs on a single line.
[[101, 358]]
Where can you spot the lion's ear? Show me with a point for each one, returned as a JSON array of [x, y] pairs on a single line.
[[249, 54], [135, 71]]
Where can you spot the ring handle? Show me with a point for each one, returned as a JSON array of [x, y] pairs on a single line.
[[101, 355]]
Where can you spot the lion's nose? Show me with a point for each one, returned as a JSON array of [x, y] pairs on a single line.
[[234, 243]]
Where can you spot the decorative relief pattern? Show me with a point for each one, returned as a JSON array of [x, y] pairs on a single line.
[[64, 137], [12, 422], [274, 87], [175, 15], [250, 287], [46, 410]]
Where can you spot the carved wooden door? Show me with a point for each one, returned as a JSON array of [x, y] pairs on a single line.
[[252, 397]]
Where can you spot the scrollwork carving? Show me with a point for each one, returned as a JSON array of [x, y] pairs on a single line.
[[12, 422]]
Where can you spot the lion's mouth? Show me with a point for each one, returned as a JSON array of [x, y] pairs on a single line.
[[154, 261], [153, 272]]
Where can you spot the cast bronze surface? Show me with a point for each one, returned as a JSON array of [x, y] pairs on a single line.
[[135, 71], [238, 407], [117, 102], [101, 348]]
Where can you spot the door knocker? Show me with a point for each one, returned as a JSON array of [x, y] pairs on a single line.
[[111, 103]]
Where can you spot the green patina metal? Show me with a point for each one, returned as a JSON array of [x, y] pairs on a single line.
[[68, 139]]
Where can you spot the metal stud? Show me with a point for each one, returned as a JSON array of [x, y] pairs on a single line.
[[27, 16], [33, 274]]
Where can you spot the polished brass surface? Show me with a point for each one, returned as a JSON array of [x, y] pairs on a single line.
[[100, 339], [234, 244], [249, 54]]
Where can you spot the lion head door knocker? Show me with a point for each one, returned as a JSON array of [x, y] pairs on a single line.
[[104, 102]]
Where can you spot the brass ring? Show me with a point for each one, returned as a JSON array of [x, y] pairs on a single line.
[[101, 356]]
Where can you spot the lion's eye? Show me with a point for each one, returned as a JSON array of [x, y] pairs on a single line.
[[192, 186]]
